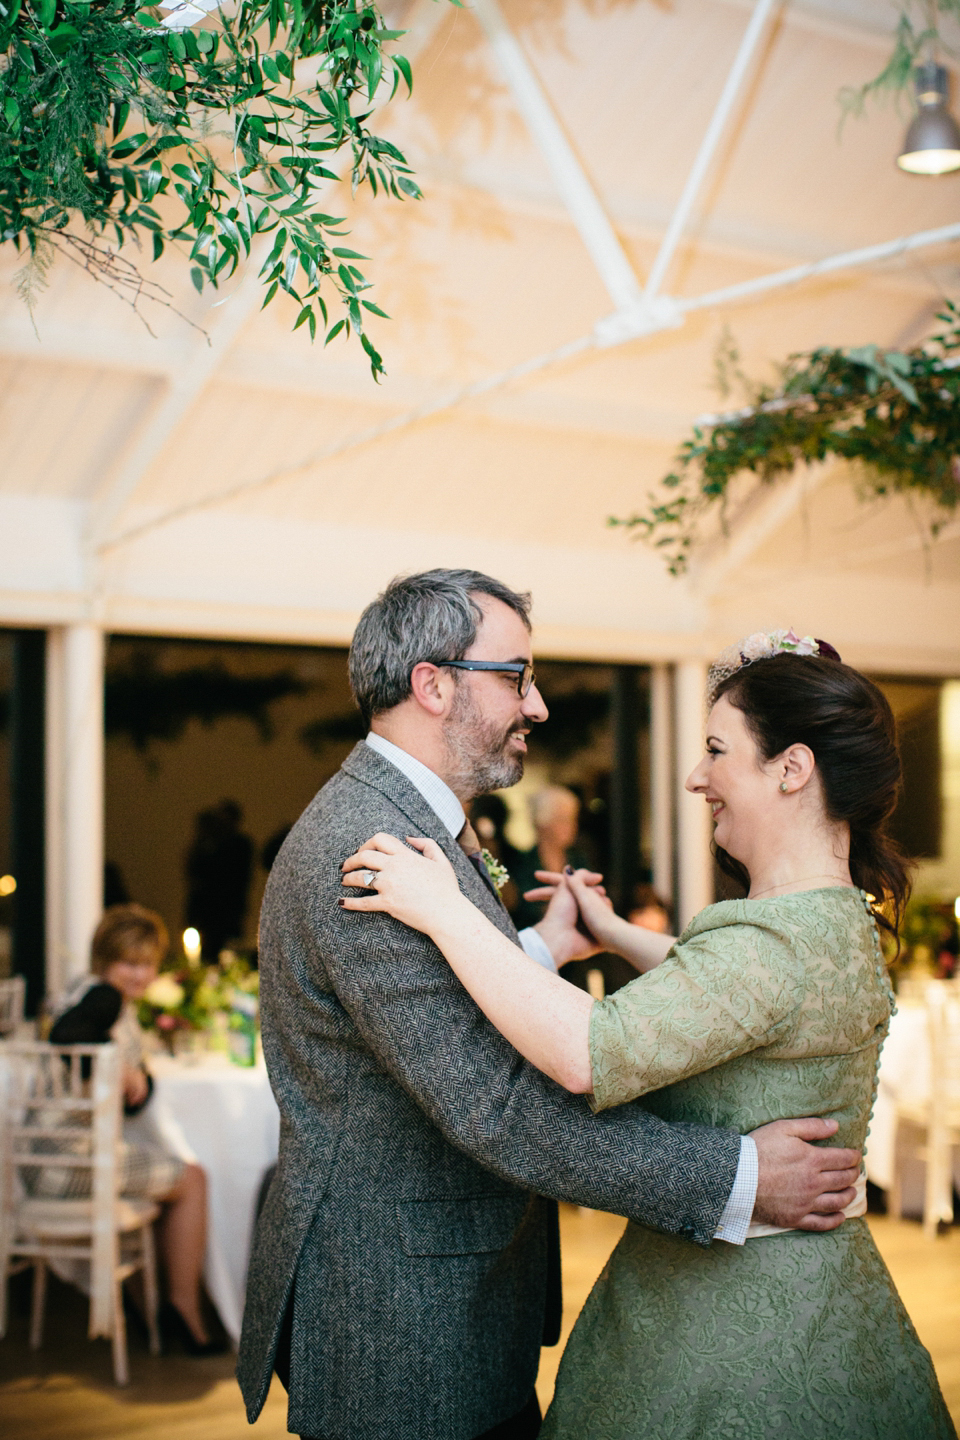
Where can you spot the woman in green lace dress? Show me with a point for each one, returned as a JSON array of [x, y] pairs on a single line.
[[767, 1007]]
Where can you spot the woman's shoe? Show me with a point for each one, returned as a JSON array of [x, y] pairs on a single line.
[[175, 1327]]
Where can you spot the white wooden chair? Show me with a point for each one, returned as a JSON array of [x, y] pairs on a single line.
[[13, 994], [937, 1115], [61, 1133]]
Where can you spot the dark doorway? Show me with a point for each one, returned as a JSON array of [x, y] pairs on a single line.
[[917, 823], [191, 724], [22, 890]]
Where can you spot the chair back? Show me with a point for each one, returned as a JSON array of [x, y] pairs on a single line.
[[943, 1025], [61, 1131], [13, 994]]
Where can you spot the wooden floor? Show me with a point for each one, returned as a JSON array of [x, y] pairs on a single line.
[[64, 1392]]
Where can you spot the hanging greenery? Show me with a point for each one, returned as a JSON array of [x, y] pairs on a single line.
[[154, 133], [145, 702], [916, 38], [893, 412]]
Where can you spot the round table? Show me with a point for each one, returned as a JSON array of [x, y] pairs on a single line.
[[904, 1075], [223, 1117]]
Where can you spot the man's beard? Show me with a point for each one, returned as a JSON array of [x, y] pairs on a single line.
[[479, 760]]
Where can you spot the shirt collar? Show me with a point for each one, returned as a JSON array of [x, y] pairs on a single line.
[[435, 791]]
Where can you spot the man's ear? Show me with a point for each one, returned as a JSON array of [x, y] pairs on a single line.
[[432, 688]]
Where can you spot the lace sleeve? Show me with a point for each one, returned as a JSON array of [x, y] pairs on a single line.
[[717, 995]]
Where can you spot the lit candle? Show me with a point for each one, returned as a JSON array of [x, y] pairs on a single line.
[[191, 945]]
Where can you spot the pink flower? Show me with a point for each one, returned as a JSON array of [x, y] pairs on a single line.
[[794, 643], [166, 1022]]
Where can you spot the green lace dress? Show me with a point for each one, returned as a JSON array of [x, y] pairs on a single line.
[[763, 1009]]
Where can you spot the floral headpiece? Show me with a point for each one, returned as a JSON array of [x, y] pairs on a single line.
[[761, 646]]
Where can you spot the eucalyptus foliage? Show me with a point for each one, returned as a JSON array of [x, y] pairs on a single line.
[[916, 38], [200, 138], [894, 413]]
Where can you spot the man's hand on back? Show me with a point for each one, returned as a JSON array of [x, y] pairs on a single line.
[[802, 1186]]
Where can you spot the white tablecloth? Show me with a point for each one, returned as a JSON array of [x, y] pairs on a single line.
[[223, 1117], [904, 1075]]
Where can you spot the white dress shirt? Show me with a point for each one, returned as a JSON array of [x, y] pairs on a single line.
[[735, 1219]]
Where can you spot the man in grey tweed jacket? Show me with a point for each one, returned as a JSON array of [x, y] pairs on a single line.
[[405, 1265]]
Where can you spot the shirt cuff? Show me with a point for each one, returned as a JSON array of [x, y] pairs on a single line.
[[537, 949], [738, 1211]]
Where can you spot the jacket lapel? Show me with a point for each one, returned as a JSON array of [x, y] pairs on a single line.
[[369, 768]]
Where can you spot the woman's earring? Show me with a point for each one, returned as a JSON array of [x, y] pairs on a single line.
[[783, 786]]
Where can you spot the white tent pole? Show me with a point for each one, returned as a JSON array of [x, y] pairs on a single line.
[[55, 850], [577, 192], [182, 394], [533, 366], [285, 471], [694, 862], [708, 145], [76, 726], [661, 780], [847, 260]]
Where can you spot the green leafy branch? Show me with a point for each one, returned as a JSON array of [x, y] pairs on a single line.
[[914, 42], [204, 138], [894, 413]]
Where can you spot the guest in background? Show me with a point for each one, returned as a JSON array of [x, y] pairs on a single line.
[[218, 866], [649, 910], [489, 816], [128, 947], [115, 890], [555, 812]]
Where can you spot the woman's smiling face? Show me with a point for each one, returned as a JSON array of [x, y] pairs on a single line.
[[738, 785]]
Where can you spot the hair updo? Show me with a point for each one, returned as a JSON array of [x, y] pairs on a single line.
[[849, 726]]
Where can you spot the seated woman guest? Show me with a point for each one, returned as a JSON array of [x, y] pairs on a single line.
[[128, 948]]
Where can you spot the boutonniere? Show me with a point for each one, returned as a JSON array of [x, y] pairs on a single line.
[[499, 874]]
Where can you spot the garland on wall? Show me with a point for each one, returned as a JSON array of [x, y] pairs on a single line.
[[145, 702], [154, 129], [892, 412]]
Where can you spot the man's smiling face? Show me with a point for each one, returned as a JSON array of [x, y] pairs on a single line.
[[486, 730]]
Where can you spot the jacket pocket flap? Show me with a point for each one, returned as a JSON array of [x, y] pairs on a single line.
[[457, 1226]]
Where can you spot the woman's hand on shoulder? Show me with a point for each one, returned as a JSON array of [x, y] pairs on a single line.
[[411, 880]]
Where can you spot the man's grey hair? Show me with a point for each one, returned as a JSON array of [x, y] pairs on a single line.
[[433, 617]]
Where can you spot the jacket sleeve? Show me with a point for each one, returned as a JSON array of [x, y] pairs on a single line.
[[425, 1030], [89, 1021]]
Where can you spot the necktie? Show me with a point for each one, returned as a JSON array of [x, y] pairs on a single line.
[[469, 842], [470, 845]]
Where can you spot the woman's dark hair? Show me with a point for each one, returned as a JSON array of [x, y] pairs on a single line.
[[848, 724]]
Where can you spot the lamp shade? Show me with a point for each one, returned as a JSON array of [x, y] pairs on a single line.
[[932, 144]]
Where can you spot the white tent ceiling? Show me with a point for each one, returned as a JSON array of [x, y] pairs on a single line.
[[256, 486]]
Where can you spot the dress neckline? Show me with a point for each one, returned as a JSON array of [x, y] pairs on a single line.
[[791, 894]]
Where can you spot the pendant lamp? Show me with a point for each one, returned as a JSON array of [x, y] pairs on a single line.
[[932, 146]]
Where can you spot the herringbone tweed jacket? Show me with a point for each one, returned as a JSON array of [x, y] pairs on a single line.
[[405, 1223]]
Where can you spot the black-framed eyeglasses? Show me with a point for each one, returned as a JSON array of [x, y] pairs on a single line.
[[522, 669]]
